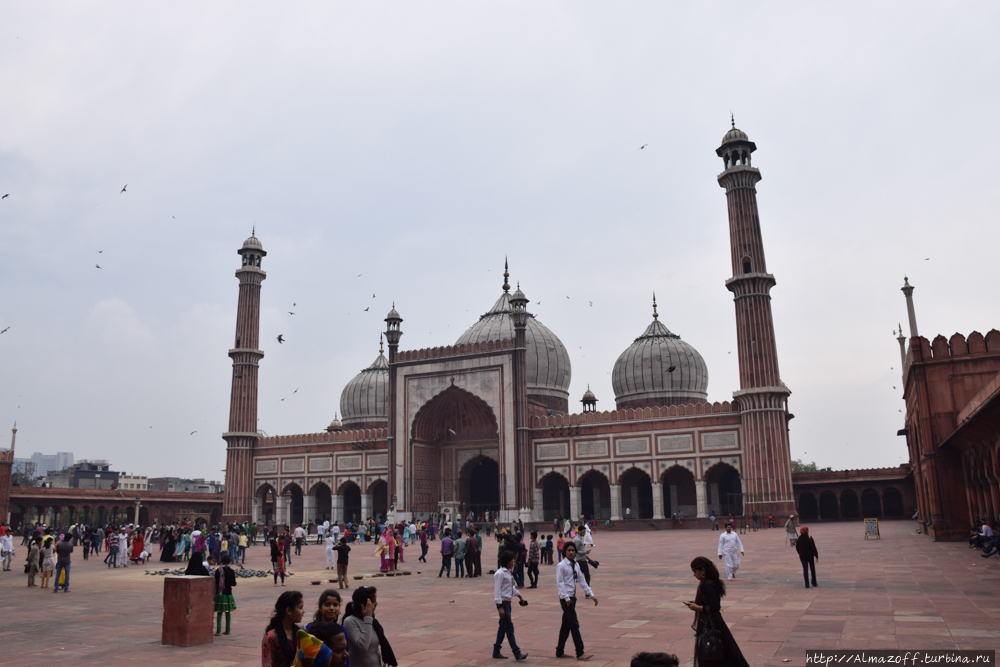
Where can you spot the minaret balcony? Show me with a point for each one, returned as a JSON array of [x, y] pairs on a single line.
[[751, 284]]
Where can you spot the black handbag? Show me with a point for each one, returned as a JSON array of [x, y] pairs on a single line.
[[708, 645]]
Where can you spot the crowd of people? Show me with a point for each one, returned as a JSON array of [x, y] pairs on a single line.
[[334, 633]]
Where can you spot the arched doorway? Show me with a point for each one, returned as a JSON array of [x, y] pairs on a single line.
[[265, 504], [725, 492], [849, 507], [445, 430], [352, 502], [680, 496], [144, 516], [892, 502], [321, 503], [808, 509], [828, 505], [871, 504], [637, 493], [479, 486], [216, 516], [595, 496], [379, 492], [293, 500], [555, 497], [17, 515]]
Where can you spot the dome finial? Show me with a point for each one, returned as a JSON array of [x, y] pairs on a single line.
[[732, 119], [655, 316], [253, 231], [506, 275], [381, 350]]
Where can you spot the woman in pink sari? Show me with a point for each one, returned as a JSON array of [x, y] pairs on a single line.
[[399, 549], [385, 548]]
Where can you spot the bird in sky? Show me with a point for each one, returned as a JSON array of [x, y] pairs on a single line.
[[672, 369], [641, 147], [4, 331], [123, 189], [99, 252], [281, 338], [366, 309], [926, 259], [359, 275], [567, 297], [591, 303], [174, 217], [193, 432], [98, 266], [730, 352], [5, 196], [282, 399], [294, 304], [296, 391], [290, 313], [373, 295], [894, 387]]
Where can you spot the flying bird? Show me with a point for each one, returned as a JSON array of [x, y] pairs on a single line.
[[193, 432], [296, 391], [98, 266], [281, 338], [893, 387], [567, 297], [5, 196], [290, 313], [282, 399], [294, 304], [366, 309], [591, 303], [359, 275], [99, 252], [641, 147], [373, 295], [926, 258], [4, 331], [123, 189], [672, 369]]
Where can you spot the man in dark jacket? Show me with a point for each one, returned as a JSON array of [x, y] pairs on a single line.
[[807, 554]]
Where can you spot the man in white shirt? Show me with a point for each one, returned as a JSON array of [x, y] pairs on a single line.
[[503, 591], [568, 575], [300, 537]]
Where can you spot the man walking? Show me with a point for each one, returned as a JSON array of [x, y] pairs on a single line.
[[471, 551], [568, 575], [503, 591], [534, 557], [423, 543], [343, 550], [300, 538], [447, 549], [806, 548], [63, 551]]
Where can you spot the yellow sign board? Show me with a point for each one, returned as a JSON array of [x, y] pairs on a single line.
[[871, 529]]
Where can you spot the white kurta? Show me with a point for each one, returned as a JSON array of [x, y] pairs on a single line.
[[730, 548], [331, 555]]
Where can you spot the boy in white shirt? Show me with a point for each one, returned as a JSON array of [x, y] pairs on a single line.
[[568, 575], [503, 591]]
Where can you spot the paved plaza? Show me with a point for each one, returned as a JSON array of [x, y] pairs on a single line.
[[902, 591]]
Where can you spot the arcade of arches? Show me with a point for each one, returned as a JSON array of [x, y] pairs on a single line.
[[294, 507], [856, 494]]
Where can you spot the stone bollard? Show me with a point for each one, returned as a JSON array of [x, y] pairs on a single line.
[[188, 610]]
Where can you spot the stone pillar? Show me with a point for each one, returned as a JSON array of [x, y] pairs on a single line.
[[336, 508], [538, 513], [699, 487], [366, 506], [308, 509], [657, 501], [616, 502], [281, 510], [574, 503], [257, 510], [714, 501], [187, 610]]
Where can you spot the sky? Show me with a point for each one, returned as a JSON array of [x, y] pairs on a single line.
[[399, 152]]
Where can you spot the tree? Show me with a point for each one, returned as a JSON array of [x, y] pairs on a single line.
[[20, 479], [799, 466]]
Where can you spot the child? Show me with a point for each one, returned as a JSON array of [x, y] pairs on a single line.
[[559, 545], [548, 549], [85, 541], [225, 579], [329, 608], [503, 591]]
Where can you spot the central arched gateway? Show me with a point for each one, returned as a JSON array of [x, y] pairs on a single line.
[[455, 454]]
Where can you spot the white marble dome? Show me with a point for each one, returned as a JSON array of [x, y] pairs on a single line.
[[548, 365], [643, 377], [365, 398]]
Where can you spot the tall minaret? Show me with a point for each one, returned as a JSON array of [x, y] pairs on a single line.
[[6, 473], [246, 355], [763, 397]]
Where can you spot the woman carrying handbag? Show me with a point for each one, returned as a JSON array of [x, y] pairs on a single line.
[[714, 645]]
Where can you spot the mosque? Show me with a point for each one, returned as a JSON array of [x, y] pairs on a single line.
[[484, 424]]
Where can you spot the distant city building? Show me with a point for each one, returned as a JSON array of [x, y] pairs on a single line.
[[182, 485], [84, 475], [133, 482], [46, 463]]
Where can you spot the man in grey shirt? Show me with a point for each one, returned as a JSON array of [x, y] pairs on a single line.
[[63, 550], [581, 554]]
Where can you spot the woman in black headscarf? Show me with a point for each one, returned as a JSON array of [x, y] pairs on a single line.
[[708, 624], [167, 546]]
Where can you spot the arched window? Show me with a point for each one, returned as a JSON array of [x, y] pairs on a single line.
[[747, 265]]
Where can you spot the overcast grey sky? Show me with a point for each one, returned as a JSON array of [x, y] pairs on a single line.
[[418, 143]]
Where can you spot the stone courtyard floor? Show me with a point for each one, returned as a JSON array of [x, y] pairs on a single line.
[[900, 592]]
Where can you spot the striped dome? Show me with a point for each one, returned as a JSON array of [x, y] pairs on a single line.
[[548, 366], [642, 375], [365, 399]]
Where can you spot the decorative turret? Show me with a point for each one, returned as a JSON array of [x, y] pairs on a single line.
[[589, 401]]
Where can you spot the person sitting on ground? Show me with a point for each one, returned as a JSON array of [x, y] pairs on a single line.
[[654, 660]]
